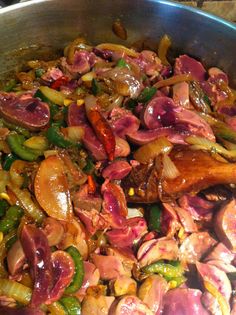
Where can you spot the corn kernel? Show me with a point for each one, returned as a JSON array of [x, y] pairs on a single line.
[[67, 102], [172, 284], [181, 233], [80, 102], [88, 76], [5, 196], [131, 191], [1, 237]]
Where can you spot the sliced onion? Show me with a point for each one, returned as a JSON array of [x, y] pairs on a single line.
[[74, 133], [90, 102], [173, 80], [37, 143], [15, 290], [134, 213], [120, 48], [24, 198], [149, 151], [163, 47], [211, 146], [169, 171]]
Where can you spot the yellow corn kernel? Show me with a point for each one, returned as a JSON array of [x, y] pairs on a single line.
[[67, 101], [131, 191], [181, 233], [172, 284], [4, 196], [80, 102], [88, 76], [1, 237]]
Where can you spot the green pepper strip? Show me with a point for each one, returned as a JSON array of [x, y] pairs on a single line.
[[9, 159], [11, 219], [96, 89], [10, 85], [71, 305], [4, 205], [146, 94], [154, 222], [39, 72], [77, 280], [89, 167], [121, 63], [166, 270], [54, 136], [15, 143]]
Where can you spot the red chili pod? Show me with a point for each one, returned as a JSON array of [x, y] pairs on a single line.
[[103, 131]]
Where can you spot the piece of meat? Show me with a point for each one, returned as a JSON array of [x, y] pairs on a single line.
[[116, 170], [160, 112], [183, 301], [154, 250], [129, 305], [187, 65], [195, 246], [198, 170], [199, 208], [123, 285], [123, 122], [63, 269], [110, 267], [211, 303], [152, 291], [220, 252], [131, 232], [24, 111], [97, 305], [83, 200], [225, 225], [91, 278], [216, 277], [38, 255]]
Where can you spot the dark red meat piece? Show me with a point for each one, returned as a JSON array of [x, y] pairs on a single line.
[[24, 111], [38, 255]]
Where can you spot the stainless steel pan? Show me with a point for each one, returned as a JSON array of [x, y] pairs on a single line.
[[38, 29]]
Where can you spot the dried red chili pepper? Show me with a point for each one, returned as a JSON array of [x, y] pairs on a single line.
[[103, 131], [91, 185], [59, 82]]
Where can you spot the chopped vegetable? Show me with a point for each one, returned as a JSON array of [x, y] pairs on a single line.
[[54, 96], [16, 143], [147, 94], [148, 152], [154, 222], [11, 219], [79, 270], [163, 47], [71, 305], [8, 160], [211, 146], [55, 137], [15, 290], [119, 48], [167, 270], [169, 170]]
